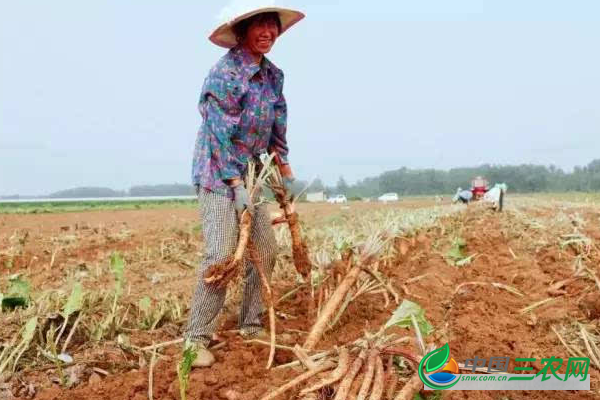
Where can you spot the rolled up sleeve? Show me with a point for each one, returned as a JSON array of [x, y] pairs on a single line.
[[215, 159]]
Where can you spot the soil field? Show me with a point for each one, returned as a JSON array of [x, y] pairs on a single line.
[[529, 288]]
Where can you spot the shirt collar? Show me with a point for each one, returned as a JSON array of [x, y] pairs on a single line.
[[249, 66]]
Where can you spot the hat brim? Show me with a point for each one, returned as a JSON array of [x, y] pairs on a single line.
[[225, 37]]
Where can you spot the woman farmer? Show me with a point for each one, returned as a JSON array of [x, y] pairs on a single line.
[[244, 115]]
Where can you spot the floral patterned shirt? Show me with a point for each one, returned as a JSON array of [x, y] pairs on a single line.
[[244, 114]]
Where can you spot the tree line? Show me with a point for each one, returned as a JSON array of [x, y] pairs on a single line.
[[524, 178], [175, 189]]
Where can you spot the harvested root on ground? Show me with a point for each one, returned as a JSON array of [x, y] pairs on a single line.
[[330, 308], [378, 381], [310, 396], [408, 354], [303, 357], [368, 378], [410, 389], [392, 379], [371, 248], [336, 375], [298, 380], [346, 383]]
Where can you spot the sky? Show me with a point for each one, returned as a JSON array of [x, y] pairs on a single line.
[[105, 93]]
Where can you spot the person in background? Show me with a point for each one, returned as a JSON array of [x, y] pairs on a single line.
[[464, 196], [244, 115]]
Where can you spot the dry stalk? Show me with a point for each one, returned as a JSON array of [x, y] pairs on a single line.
[[161, 345], [535, 305], [70, 335], [267, 295], [498, 285], [385, 284], [151, 375], [571, 351], [594, 277], [589, 346], [416, 278]]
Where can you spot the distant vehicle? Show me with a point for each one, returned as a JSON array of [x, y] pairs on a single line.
[[388, 197], [339, 199], [479, 186]]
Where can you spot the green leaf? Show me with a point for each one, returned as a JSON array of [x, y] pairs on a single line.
[[456, 250], [117, 267], [13, 302], [74, 302], [184, 368], [18, 287], [18, 293], [145, 304], [437, 358], [455, 255], [401, 317]]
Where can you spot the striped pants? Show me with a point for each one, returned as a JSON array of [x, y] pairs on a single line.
[[220, 229]]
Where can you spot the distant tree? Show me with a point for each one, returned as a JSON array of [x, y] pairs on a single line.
[[175, 189], [316, 186], [525, 178], [341, 186], [86, 192]]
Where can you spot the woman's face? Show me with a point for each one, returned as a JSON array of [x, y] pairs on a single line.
[[261, 36]]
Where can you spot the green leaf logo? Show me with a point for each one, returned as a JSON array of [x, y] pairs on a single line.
[[437, 358]]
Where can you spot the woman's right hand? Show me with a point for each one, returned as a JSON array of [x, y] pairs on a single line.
[[241, 199]]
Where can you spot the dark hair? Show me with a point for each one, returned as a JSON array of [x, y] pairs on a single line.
[[241, 28]]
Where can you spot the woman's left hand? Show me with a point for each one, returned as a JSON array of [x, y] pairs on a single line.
[[286, 171]]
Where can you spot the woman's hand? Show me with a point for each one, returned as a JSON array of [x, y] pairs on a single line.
[[241, 200], [286, 171], [288, 184]]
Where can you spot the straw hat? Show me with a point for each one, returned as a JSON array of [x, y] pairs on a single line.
[[225, 37]]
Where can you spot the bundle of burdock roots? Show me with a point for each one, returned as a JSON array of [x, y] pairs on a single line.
[[219, 275], [356, 372]]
